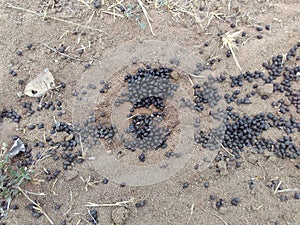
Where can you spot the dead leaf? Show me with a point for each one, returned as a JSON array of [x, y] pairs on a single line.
[[40, 85]]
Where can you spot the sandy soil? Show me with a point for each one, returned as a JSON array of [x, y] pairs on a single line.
[[115, 46]]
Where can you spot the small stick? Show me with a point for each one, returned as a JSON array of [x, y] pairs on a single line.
[[146, 15], [123, 203]]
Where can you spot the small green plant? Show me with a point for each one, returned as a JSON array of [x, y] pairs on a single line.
[[11, 178], [129, 11], [133, 11]]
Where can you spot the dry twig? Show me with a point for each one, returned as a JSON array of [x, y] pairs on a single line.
[[123, 203]]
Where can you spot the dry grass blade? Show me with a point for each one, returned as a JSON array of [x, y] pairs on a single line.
[[94, 221], [287, 190], [37, 206], [276, 190], [44, 16], [229, 42], [32, 193], [123, 203], [89, 183], [214, 214], [62, 54], [225, 149], [191, 213], [113, 13], [192, 15], [146, 15], [213, 14], [71, 204], [277, 187], [192, 83]]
